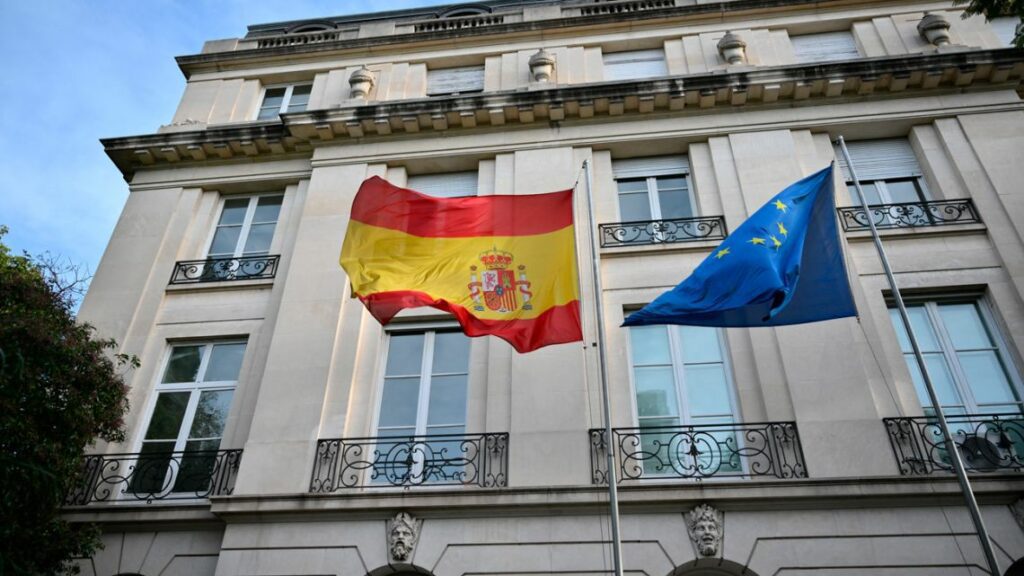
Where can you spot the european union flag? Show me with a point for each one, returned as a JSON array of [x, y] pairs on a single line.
[[784, 265]]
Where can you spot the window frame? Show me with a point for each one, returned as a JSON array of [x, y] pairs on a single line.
[[457, 70], [247, 222], [653, 198], [410, 179], [885, 197], [637, 57], [285, 100], [823, 56]]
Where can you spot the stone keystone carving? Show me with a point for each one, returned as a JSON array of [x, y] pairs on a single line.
[[403, 533], [706, 527]]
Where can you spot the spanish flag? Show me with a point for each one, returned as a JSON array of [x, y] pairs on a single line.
[[502, 265]]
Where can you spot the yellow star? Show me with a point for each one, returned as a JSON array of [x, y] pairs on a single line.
[[782, 230], [722, 253], [756, 241], [781, 205], [775, 242]]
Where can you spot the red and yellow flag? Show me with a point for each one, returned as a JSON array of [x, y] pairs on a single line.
[[503, 265]]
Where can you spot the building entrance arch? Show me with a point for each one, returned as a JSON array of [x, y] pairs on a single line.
[[712, 567]]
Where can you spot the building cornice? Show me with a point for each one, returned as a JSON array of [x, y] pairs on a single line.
[[746, 86]]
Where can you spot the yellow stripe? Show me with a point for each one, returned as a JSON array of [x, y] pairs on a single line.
[[385, 260]]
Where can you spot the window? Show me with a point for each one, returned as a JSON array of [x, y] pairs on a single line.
[[448, 81], [965, 356], [655, 188], [888, 171], [635, 64], [825, 47], [1005, 28], [681, 378], [424, 393], [449, 185], [281, 99], [191, 407], [246, 226]]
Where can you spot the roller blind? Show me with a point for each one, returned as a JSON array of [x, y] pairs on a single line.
[[650, 166], [880, 159], [635, 64], [448, 185], [825, 47], [455, 80]]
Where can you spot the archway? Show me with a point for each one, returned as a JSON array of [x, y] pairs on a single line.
[[712, 567]]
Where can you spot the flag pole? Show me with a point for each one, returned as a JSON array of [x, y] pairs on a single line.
[[612, 477], [958, 464]]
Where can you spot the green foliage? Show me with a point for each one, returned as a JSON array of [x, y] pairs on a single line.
[[60, 388], [994, 9]]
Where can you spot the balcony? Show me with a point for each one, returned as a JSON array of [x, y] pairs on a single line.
[[224, 269], [663, 231], [909, 215], [699, 452], [432, 460], [987, 442], [148, 477]]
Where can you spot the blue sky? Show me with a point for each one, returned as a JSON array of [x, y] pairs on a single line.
[[77, 71]]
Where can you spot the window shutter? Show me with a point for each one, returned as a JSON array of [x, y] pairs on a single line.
[[825, 47], [880, 159], [448, 185], [1006, 28], [635, 64], [455, 80], [652, 166]]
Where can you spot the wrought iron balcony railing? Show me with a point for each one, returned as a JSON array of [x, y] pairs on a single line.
[[431, 460], [663, 231], [909, 214], [156, 476], [700, 451], [987, 442], [224, 269]]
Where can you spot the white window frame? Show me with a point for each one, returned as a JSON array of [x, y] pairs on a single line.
[[440, 177], [961, 384], [885, 197], [461, 73], [823, 44], [679, 169], [289, 89], [243, 234], [613, 63], [653, 198]]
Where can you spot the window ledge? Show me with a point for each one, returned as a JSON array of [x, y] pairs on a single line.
[[946, 230], [679, 247], [259, 283]]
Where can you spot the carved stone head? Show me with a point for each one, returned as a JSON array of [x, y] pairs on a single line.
[[403, 533], [706, 528]]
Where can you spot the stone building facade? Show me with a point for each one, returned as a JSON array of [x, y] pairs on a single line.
[[277, 429]]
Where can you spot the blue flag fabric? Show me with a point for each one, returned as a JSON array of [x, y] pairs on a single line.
[[784, 265]]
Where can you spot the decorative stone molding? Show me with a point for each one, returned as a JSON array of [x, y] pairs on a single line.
[[934, 28], [1017, 509], [732, 48], [403, 534], [361, 82], [706, 526], [542, 66]]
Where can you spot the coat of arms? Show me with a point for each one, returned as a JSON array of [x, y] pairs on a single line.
[[497, 287]]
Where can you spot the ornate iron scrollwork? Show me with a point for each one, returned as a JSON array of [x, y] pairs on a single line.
[[909, 214], [663, 231], [434, 460], [155, 476], [224, 269], [987, 442], [700, 451]]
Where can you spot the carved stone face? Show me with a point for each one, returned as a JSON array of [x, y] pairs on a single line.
[[707, 536], [401, 538]]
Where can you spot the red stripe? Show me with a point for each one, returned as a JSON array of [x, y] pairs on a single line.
[[380, 203], [555, 325]]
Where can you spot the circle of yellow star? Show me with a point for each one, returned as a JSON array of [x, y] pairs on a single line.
[[781, 205], [782, 230], [755, 241], [775, 242], [722, 253]]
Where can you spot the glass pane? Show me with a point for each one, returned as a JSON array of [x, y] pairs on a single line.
[[211, 413], [300, 98], [234, 211], [267, 209], [633, 207], [674, 198], [656, 392], [405, 355], [655, 447], [922, 329], [225, 241], [273, 98], [451, 353], [902, 191], [707, 390], [941, 377], [964, 326], [632, 186], [700, 344], [399, 404], [269, 113], [183, 365], [197, 465], [447, 400], [259, 239], [151, 469], [225, 362], [650, 345], [986, 377], [167, 416], [869, 190]]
